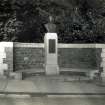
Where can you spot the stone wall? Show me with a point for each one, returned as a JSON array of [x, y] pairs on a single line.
[[30, 56], [15, 57], [84, 58]]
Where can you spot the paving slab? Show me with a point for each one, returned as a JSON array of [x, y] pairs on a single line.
[[49, 85], [58, 86], [3, 84], [70, 87], [21, 86]]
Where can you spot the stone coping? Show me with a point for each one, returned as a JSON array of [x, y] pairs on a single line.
[[60, 45], [6, 44], [28, 45]]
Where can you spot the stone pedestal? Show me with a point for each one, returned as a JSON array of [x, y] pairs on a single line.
[[51, 54]]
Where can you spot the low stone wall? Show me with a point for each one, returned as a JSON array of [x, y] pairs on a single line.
[[80, 58], [29, 56], [15, 57]]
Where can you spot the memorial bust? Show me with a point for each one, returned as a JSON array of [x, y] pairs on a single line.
[[50, 26]]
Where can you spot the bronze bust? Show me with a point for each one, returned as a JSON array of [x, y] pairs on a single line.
[[50, 26]]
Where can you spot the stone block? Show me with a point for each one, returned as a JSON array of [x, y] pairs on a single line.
[[103, 59], [17, 76], [2, 55], [28, 58], [103, 77], [92, 74], [103, 50], [103, 64], [2, 68], [52, 69], [103, 54]]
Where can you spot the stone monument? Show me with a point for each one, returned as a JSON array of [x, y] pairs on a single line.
[[51, 52]]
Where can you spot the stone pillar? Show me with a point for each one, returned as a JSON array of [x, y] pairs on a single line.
[[103, 64], [51, 54], [9, 56], [3, 58], [6, 61], [3, 65]]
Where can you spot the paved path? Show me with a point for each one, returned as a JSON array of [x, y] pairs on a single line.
[[50, 85], [59, 85], [21, 86]]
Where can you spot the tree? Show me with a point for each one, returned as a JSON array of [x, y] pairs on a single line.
[[76, 20]]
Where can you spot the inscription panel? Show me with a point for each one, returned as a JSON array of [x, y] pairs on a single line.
[[52, 46]]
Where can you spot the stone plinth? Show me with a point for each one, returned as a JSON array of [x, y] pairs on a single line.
[[51, 54]]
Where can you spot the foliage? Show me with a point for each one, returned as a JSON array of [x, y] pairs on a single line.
[[77, 21]]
